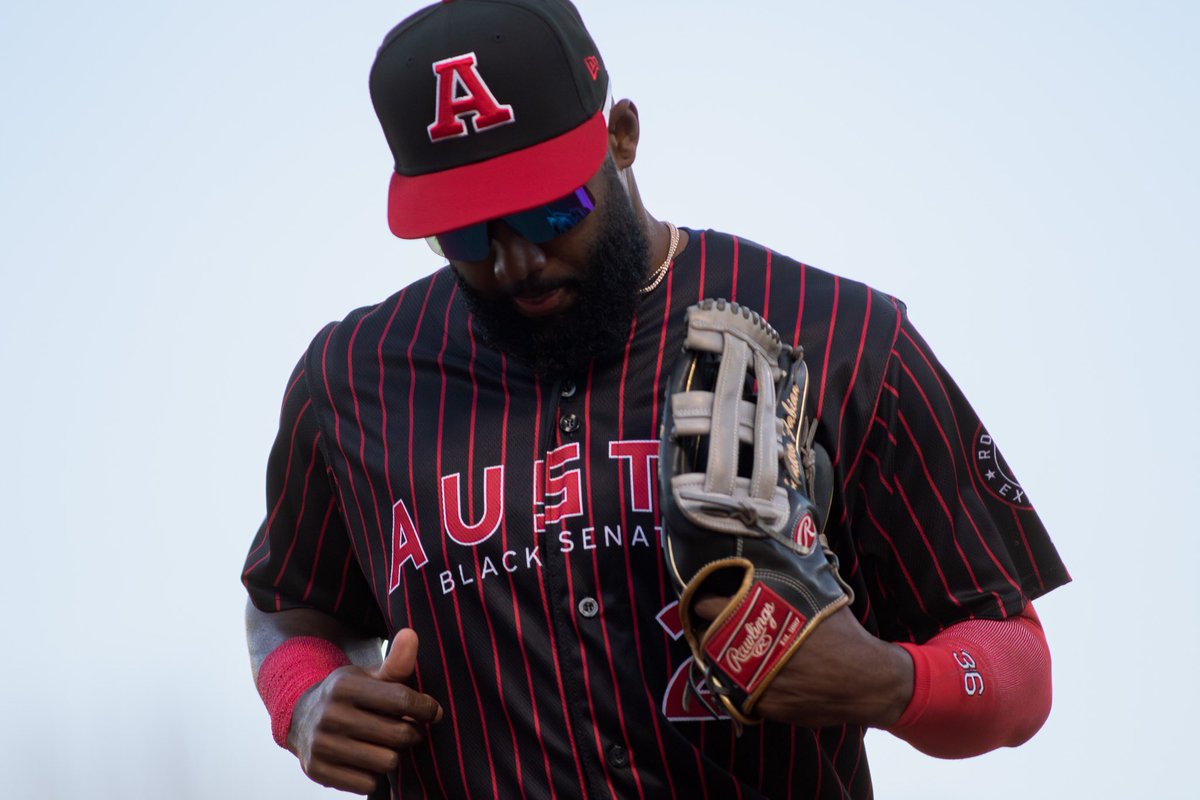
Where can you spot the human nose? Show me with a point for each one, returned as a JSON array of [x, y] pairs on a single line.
[[516, 258]]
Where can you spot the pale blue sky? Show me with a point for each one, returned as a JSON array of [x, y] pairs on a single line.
[[188, 191]]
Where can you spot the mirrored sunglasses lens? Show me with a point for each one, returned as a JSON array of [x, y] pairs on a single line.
[[553, 219], [464, 244]]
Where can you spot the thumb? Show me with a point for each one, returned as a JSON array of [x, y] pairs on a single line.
[[710, 607], [401, 660]]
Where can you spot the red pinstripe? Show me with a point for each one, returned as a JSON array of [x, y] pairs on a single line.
[[767, 289], [462, 637], [853, 566], [267, 527], [320, 543], [387, 460], [337, 435], [703, 262], [416, 514], [1037, 573], [862, 446], [387, 478], [662, 588], [866, 612], [838, 749], [928, 405], [995, 561], [587, 677], [266, 531], [895, 552], [891, 437], [500, 693], [292, 385], [941, 501], [884, 595], [287, 478], [879, 471], [837, 284], [637, 635], [312, 460], [879, 396], [862, 343], [800, 306], [362, 444], [737, 784], [733, 281], [937, 565], [962, 445], [562, 695], [337, 604], [602, 617], [512, 590], [820, 770], [857, 761]]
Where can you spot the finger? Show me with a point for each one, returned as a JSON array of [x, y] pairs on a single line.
[[401, 659], [356, 755], [371, 728], [382, 697], [710, 607], [338, 776]]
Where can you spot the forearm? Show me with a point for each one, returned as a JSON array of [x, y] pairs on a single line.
[[347, 723], [979, 685], [266, 631]]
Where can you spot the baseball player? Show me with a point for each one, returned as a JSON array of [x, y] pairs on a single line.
[[469, 470]]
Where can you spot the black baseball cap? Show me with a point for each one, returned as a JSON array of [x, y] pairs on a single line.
[[490, 107]]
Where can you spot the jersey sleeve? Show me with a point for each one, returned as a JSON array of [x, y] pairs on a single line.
[[302, 556], [944, 529]]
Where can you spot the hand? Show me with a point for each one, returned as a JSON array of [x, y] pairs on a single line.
[[349, 729], [841, 674]]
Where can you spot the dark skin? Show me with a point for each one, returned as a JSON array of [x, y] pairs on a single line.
[[514, 259], [348, 730]]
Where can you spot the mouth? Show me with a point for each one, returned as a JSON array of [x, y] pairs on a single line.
[[542, 304]]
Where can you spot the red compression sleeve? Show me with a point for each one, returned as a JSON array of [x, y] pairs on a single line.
[[288, 671], [978, 685]]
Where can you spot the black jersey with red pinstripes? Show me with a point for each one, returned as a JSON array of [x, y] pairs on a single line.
[[420, 479]]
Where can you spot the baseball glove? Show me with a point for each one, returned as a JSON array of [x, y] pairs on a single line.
[[739, 471]]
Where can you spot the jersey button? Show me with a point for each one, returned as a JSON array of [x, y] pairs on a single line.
[[618, 756], [568, 424], [589, 607], [568, 390]]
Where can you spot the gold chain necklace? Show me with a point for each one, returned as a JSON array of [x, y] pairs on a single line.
[[661, 272]]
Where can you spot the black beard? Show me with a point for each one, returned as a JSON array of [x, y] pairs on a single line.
[[606, 296]]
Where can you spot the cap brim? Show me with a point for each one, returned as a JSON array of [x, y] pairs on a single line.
[[424, 205]]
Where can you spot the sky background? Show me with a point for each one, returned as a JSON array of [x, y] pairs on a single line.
[[189, 190]]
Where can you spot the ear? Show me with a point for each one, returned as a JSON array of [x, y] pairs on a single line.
[[624, 129]]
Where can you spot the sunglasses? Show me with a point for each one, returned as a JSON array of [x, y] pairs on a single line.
[[537, 225]]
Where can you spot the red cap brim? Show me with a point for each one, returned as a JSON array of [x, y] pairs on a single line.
[[424, 205]]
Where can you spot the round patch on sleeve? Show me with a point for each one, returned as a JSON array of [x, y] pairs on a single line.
[[994, 473]]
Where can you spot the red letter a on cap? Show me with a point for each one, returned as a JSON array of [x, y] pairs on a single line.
[[461, 91]]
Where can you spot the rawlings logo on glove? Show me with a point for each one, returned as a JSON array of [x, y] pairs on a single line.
[[739, 471]]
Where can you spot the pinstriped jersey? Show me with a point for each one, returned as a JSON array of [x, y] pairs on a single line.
[[421, 479]]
